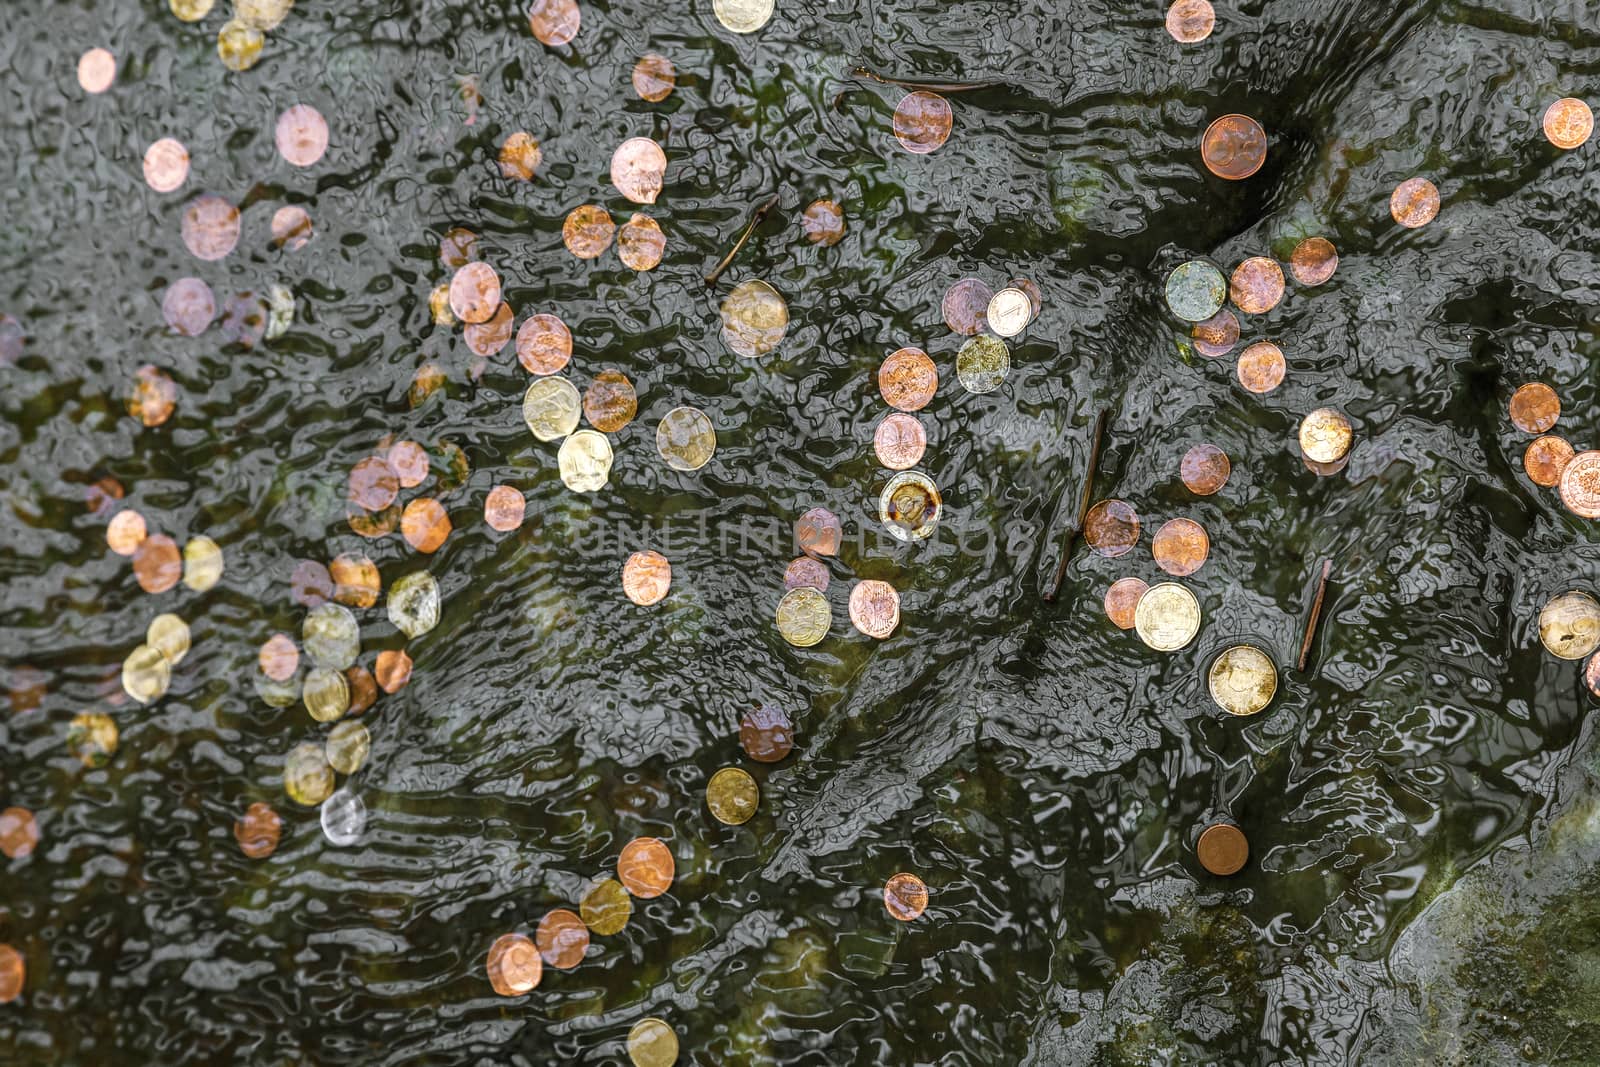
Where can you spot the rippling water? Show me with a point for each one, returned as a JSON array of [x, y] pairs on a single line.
[[1044, 772]]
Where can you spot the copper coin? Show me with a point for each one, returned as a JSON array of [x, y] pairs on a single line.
[[900, 441], [646, 577], [101, 496], [640, 243], [1222, 849], [638, 167], [157, 563], [1234, 147], [645, 867], [1325, 436], [154, 396], [210, 227], [310, 584], [13, 973], [514, 966], [519, 156], [489, 337], [1535, 407], [766, 733], [425, 524], [1180, 546], [818, 532], [922, 122], [808, 572], [279, 658], [966, 306], [393, 670], [562, 939], [429, 379], [409, 461], [1122, 599], [291, 227], [905, 896], [244, 319], [554, 22], [373, 484], [1204, 469], [1257, 285], [1261, 367], [1313, 261], [588, 231], [355, 580], [1190, 21], [875, 608], [654, 77], [1111, 528], [1568, 122], [475, 292], [504, 508], [908, 379], [544, 344], [1414, 202], [258, 831], [457, 247], [363, 688], [1217, 335], [97, 68], [1580, 485], [19, 832], [166, 165], [1546, 458], [126, 530], [302, 135], [1591, 674], [823, 223]]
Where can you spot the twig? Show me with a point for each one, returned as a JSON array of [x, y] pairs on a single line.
[[1314, 614], [1070, 537], [755, 220], [931, 86]]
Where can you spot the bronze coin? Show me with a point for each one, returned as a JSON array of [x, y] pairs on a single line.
[[1591, 674], [514, 966], [1580, 485], [520, 156], [1546, 458], [1111, 528], [646, 577], [544, 344], [1122, 599], [638, 167], [1313, 261], [588, 231], [291, 227], [766, 733], [154, 396], [654, 77], [1257, 285], [504, 508], [126, 530], [189, 306], [805, 571], [210, 227], [393, 670], [900, 441], [1180, 546], [258, 831], [1190, 21], [457, 247], [13, 974], [355, 580], [1222, 849], [489, 337], [1261, 367], [922, 122], [310, 583], [1535, 407], [373, 485], [19, 832], [966, 307], [409, 461], [562, 938], [875, 608], [425, 524], [640, 243], [279, 658], [301, 135], [475, 292], [1204, 469], [645, 867], [823, 223], [1217, 335], [1568, 123], [157, 563], [554, 22], [905, 896], [363, 688], [908, 379], [1414, 202], [819, 533], [1234, 147], [610, 402]]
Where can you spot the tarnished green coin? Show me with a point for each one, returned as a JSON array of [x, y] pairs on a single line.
[[1167, 618], [909, 506], [1569, 625], [606, 907], [146, 673], [307, 778], [92, 737], [1242, 680], [1196, 290], [652, 1043], [326, 694], [414, 604], [983, 363], [585, 460], [804, 617], [331, 636], [732, 796], [551, 407], [686, 439], [348, 746]]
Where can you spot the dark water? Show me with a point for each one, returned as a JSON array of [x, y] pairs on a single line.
[[1045, 773]]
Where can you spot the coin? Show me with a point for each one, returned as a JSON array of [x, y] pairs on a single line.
[[154, 396], [823, 223], [554, 22], [875, 608], [966, 306], [645, 867], [1180, 546], [1545, 459], [551, 407], [562, 939], [19, 832], [905, 896], [588, 231], [343, 818], [258, 830], [1167, 618], [1111, 528], [425, 524], [513, 966], [803, 617], [1190, 21], [1242, 680], [1217, 335], [13, 973], [585, 461], [170, 634], [326, 694], [488, 338], [126, 532], [393, 670], [146, 674], [922, 121], [899, 441], [1257, 285], [637, 168], [1261, 367], [1414, 202], [652, 1043], [1009, 312], [908, 379], [1234, 147], [414, 604], [646, 577], [1580, 485], [1122, 599], [806, 571], [640, 243], [278, 658], [520, 156], [239, 45], [475, 292], [1535, 407], [909, 506], [685, 438], [504, 508], [818, 532], [1313, 261], [92, 737], [754, 318], [1196, 290], [766, 733], [654, 77], [742, 16], [166, 165], [606, 907], [732, 796], [1204, 469], [348, 745], [307, 778], [1569, 625], [544, 344], [301, 135], [97, 68], [983, 364], [1222, 849], [1325, 436], [610, 402], [1568, 122]]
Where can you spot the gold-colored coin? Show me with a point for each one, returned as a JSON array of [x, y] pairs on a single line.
[[585, 461], [202, 563], [190, 10], [909, 506], [1242, 680], [652, 1043], [170, 634], [804, 617], [307, 778], [606, 907], [348, 746], [754, 318], [732, 796], [1569, 625], [1167, 618], [414, 604], [551, 407], [983, 364], [686, 439], [326, 693], [146, 674], [239, 45], [1325, 436]]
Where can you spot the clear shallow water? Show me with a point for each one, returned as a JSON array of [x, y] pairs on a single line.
[[1045, 773]]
